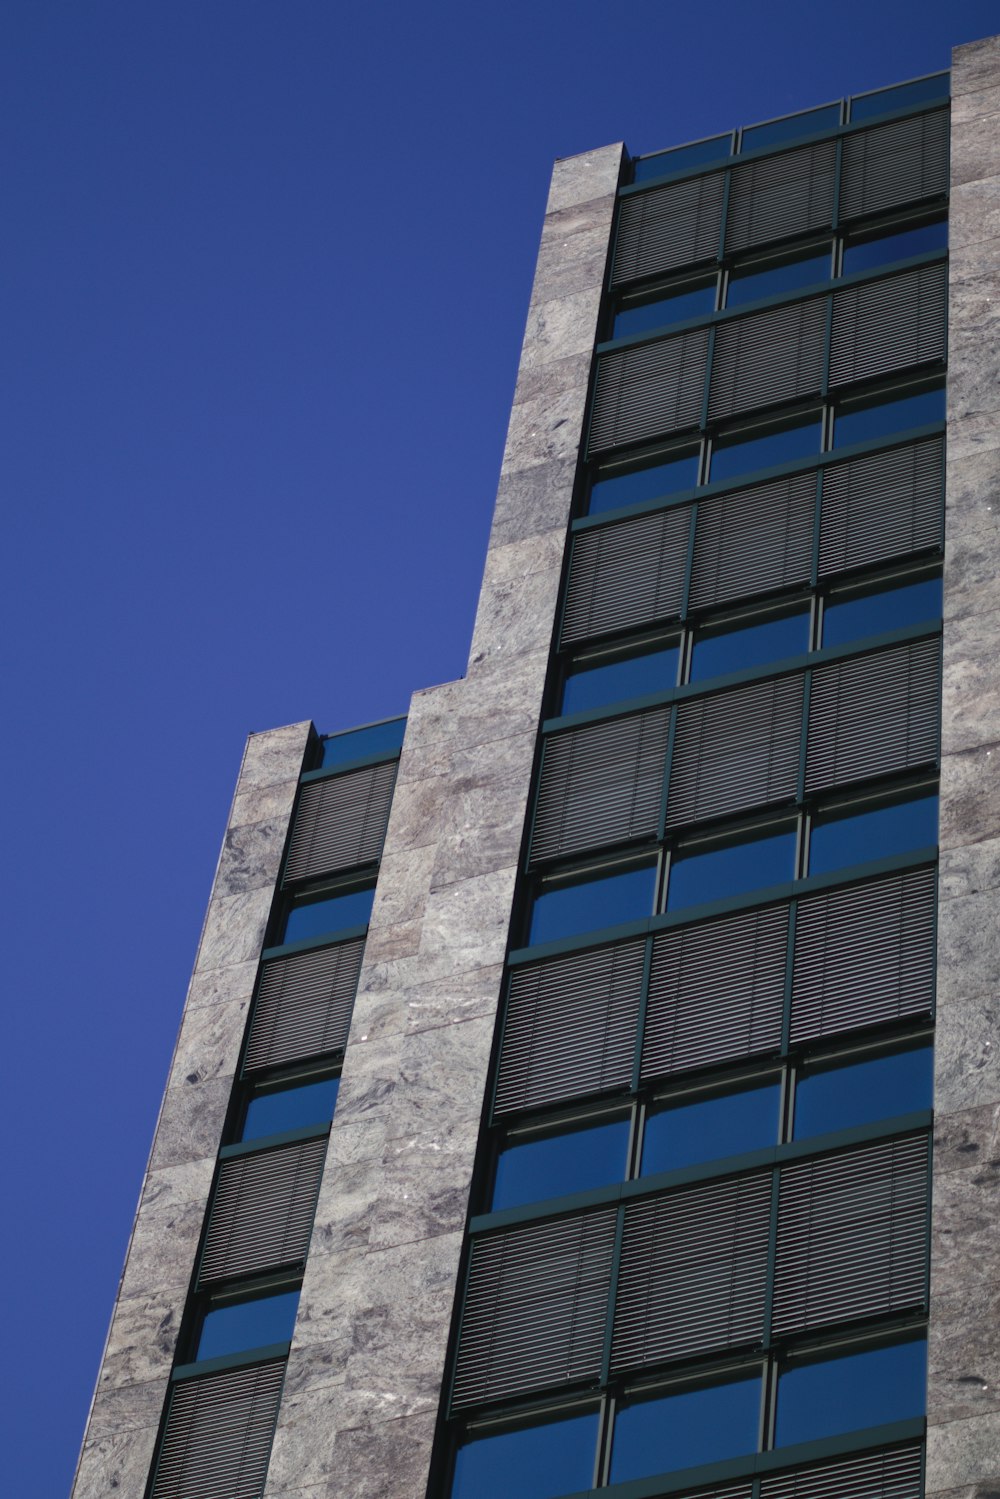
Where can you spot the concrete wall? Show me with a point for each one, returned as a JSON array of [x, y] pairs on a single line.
[[364, 1378], [132, 1384], [963, 1452]]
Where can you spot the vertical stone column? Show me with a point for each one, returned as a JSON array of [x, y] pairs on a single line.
[[964, 1396], [132, 1383], [364, 1378]]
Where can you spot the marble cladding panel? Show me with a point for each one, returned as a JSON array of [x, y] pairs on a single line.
[[132, 1381], [963, 1448], [368, 1356]]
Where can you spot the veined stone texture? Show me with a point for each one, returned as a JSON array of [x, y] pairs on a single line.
[[367, 1361], [132, 1383], [963, 1444]]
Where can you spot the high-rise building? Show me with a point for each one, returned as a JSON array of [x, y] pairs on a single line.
[[618, 957]]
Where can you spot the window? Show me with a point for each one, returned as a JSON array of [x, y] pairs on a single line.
[[683, 158], [294, 1105], [863, 1091], [759, 448], [585, 905], [715, 871], [357, 744], [872, 831], [890, 413], [902, 96], [777, 274], [669, 305], [882, 247], [685, 1428], [532, 1462], [236, 1326], [868, 1388], [552, 1165], [711, 1126], [597, 681], [755, 642], [676, 471], [327, 912], [792, 127], [889, 605]]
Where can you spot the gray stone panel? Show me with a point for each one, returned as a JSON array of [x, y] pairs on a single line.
[[963, 1451], [132, 1382], [367, 1360]]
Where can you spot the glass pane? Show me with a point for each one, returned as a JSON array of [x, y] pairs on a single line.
[[731, 869], [709, 1128], [776, 132], [294, 1107], [536, 1462], [866, 423], [718, 652], [696, 301], [767, 281], [596, 685], [682, 1430], [570, 910], [683, 158], [863, 1092], [248, 1324], [378, 739], [851, 1392], [336, 913], [856, 615], [591, 1156], [867, 254], [903, 96], [732, 458], [876, 833], [638, 484]]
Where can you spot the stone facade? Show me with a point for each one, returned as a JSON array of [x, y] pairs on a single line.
[[963, 1450], [132, 1385]]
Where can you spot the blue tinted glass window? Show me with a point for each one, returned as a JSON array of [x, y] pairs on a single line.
[[867, 254], [293, 1107], [595, 685], [317, 918], [866, 423], [697, 301], [248, 1324], [653, 483], [776, 132], [570, 910], [853, 616], [709, 1128], [685, 1429], [851, 1392], [380, 738], [574, 1161], [683, 158], [748, 285], [734, 458], [863, 1092], [536, 1462], [721, 651], [903, 96], [876, 833], [731, 869]]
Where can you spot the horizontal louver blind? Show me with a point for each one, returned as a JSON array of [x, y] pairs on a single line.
[[881, 507], [735, 750], [535, 1308], [304, 1005], [864, 955], [600, 784], [753, 541], [340, 822], [900, 162], [780, 196], [769, 357], [668, 227], [649, 390], [715, 992], [693, 1272], [217, 1438], [874, 714], [262, 1211], [626, 575], [569, 1028], [852, 1236], [877, 1475], [888, 325]]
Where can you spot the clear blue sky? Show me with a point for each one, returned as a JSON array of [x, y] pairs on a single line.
[[265, 265]]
